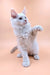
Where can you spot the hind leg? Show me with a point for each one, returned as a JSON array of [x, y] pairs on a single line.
[[19, 55], [36, 57]]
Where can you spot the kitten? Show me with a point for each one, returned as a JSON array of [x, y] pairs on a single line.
[[26, 36]]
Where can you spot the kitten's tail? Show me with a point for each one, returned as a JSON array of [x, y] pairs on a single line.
[[14, 49]]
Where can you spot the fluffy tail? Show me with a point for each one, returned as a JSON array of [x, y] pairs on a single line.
[[14, 49]]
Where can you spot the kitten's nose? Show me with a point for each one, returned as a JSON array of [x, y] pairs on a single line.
[[25, 20]]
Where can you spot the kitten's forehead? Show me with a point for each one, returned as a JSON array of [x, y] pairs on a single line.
[[21, 14]]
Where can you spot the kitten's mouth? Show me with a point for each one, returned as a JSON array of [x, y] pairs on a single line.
[[25, 22]]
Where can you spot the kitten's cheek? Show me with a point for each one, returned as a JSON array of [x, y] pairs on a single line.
[[21, 23]]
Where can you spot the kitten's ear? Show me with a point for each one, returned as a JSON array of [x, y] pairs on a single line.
[[24, 11], [13, 13]]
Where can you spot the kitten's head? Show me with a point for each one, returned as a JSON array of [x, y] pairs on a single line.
[[18, 19]]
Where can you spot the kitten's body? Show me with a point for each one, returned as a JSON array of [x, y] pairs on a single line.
[[26, 39]]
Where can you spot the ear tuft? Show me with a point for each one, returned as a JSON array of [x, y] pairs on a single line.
[[24, 10], [13, 13]]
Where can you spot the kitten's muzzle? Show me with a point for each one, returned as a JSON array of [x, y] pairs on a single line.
[[25, 21]]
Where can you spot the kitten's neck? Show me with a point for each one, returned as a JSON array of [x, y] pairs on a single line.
[[18, 30]]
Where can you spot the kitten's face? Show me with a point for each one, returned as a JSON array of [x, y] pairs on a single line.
[[18, 19]]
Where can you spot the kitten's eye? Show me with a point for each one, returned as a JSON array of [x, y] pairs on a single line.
[[20, 18], [25, 17]]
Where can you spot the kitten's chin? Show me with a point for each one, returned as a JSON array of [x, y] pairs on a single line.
[[24, 23]]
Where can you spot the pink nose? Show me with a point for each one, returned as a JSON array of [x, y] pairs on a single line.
[[25, 20]]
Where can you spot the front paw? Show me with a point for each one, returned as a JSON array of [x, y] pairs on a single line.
[[38, 28], [26, 63]]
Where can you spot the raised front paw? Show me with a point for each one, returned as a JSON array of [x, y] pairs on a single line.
[[38, 28], [26, 63]]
